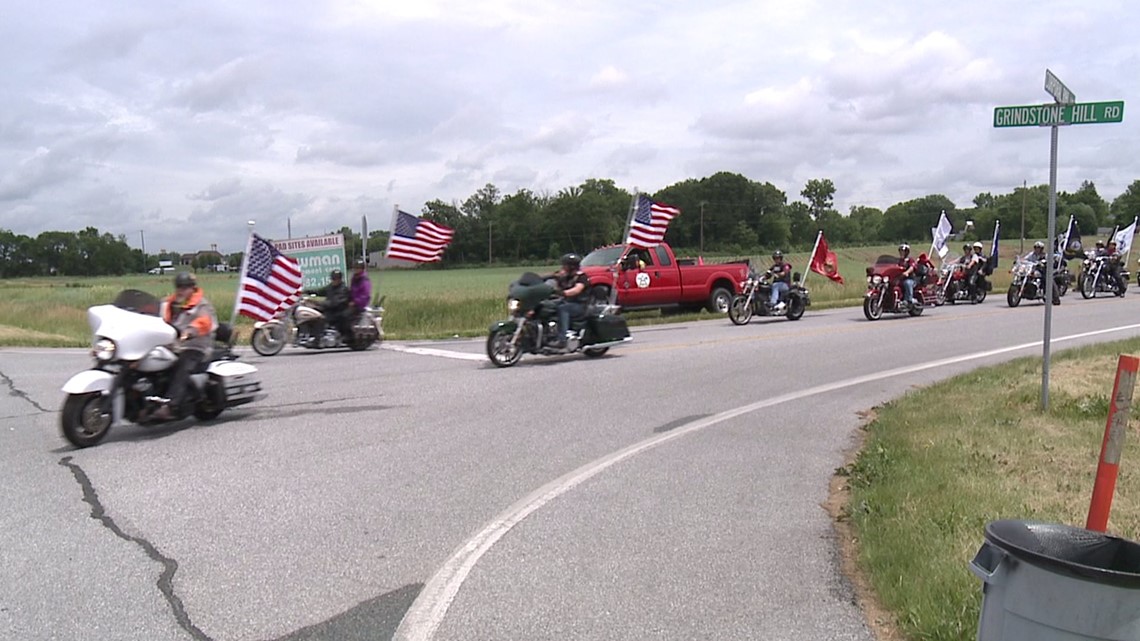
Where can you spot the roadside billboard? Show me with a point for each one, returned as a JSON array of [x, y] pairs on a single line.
[[317, 256]]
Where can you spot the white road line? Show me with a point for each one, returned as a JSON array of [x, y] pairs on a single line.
[[430, 607], [431, 351]]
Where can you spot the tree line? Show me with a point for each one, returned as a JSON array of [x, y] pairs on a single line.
[[725, 213]]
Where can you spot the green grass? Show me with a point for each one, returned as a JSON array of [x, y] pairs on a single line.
[[927, 481]]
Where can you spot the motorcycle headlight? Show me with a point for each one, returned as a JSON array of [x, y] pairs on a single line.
[[103, 349], [513, 305], [876, 279]]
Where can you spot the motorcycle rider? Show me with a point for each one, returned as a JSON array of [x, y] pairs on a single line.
[[781, 281], [974, 269], [360, 288], [1112, 260], [193, 316], [907, 276], [572, 284], [335, 309], [1038, 258]]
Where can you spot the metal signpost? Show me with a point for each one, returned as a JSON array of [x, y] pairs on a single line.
[[1063, 112]]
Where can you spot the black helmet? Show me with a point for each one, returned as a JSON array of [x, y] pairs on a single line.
[[571, 260], [185, 279], [336, 275], [777, 254]]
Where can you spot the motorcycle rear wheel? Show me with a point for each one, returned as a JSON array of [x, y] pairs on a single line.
[[269, 340], [594, 352], [916, 307], [740, 311], [795, 308], [85, 418], [501, 351], [979, 295], [208, 408]]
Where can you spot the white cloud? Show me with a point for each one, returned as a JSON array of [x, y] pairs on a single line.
[[187, 122]]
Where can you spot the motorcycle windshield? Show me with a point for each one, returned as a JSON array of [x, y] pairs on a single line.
[[140, 302], [134, 334], [530, 290]]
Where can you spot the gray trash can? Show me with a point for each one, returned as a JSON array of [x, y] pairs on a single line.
[[1049, 582]]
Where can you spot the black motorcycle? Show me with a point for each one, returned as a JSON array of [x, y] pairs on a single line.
[[1028, 282], [1096, 278], [533, 325], [755, 299]]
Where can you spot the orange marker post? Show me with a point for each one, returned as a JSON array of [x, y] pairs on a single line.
[[1107, 470]]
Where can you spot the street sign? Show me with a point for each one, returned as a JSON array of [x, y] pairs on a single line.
[[1081, 113], [1058, 90]]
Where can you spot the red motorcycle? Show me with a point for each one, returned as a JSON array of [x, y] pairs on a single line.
[[885, 290]]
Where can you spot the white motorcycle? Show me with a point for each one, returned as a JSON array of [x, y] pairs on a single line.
[[132, 371], [303, 325]]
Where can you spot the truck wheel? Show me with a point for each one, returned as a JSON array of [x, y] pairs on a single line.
[[719, 300]]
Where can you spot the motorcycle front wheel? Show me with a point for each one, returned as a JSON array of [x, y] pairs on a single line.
[[500, 350], [268, 340], [1013, 297], [740, 310], [1088, 286], [872, 308], [85, 418]]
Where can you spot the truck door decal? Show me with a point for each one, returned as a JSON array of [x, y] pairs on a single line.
[[642, 280]]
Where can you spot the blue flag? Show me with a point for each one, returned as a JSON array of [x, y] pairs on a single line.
[[992, 263]]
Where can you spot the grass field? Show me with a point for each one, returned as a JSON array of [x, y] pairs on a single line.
[[926, 483], [420, 303]]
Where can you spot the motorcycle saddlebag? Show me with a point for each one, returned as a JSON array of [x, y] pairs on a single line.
[[609, 328]]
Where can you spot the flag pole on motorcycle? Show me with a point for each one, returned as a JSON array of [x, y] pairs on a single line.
[[992, 263], [244, 264], [1123, 239], [941, 234], [822, 261]]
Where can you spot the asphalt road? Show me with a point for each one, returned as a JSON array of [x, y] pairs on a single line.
[[670, 490]]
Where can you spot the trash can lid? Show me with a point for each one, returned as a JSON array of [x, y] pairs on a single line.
[[1077, 552]]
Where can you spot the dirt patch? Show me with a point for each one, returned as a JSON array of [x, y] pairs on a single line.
[[880, 621]]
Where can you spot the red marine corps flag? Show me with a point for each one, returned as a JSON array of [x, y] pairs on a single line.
[[824, 261]]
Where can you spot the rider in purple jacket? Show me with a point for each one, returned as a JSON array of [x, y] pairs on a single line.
[[360, 289]]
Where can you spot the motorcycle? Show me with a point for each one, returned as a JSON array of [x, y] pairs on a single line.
[[1028, 282], [1095, 277], [953, 285], [754, 299], [133, 366], [533, 325], [303, 325], [885, 290]]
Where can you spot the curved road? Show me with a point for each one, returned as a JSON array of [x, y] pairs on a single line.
[[671, 490]]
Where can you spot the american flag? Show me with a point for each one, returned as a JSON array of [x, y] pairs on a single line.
[[418, 240], [271, 281], [650, 220]]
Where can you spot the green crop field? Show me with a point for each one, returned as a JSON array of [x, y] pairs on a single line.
[[419, 303]]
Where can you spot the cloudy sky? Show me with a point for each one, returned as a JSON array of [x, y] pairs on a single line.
[[183, 120]]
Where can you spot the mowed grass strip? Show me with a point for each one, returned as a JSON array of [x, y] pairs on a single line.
[[938, 464]]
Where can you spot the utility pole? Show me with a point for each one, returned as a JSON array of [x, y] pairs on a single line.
[[1024, 192], [142, 238], [489, 256], [702, 251]]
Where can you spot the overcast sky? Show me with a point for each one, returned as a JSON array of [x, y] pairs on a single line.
[[186, 119]]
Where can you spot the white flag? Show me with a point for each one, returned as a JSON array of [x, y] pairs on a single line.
[[941, 234], [1123, 238]]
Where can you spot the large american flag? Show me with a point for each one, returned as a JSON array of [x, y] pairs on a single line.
[[418, 240], [271, 281], [650, 220]]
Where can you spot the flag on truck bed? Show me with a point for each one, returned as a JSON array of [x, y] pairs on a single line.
[[271, 280], [418, 240], [649, 223]]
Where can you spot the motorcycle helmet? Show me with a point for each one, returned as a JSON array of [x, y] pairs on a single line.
[[336, 275], [966, 248], [904, 248], [1100, 244], [571, 261], [977, 245], [1038, 245], [777, 254], [185, 279]]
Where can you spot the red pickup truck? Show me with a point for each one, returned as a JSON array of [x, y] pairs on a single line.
[[655, 278]]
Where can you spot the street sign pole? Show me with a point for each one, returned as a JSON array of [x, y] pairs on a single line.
[[1050, 266]]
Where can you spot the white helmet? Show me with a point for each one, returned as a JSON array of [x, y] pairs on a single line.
[[978, 245]]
